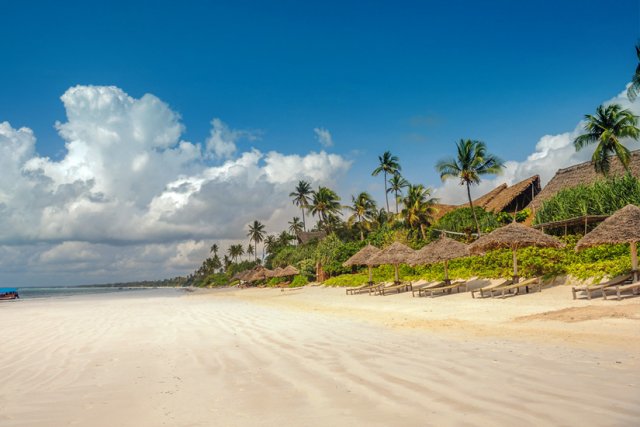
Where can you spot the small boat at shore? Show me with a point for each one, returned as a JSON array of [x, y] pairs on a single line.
[[9, 294]]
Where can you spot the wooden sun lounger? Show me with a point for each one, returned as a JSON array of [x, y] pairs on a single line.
[[422, 289], [620, 289], [377, 288], [502, 290], [401, 287], [600, 287], [489, 288], [357, 289], [447, 288]]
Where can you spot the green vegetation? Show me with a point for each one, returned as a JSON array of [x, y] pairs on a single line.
[[461, 220], [603, 197]]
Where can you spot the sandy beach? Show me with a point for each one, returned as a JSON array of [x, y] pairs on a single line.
[[315, 356]]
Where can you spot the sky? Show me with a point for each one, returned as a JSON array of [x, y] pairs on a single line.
[[133, 135]]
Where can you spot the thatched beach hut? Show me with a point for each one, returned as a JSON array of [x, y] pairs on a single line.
[[289, 271], [441, 250], [395, 255], [621, 227], [513, 236], [363, 257]]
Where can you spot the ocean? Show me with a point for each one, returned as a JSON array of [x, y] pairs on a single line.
[[66, 291]]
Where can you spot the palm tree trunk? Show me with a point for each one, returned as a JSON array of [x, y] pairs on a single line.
[[386, 195], [361, 234], [255, 250], [396, 202], [424, 236], [304, 224], [475, 218]]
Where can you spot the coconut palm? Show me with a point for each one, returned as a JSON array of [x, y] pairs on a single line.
[[607, 127], [256, 234], [284, 238], [364, 212], [418, 208], [250, 250], [389, 165], [270, 243], [634, 89], [301, 198], [236, 251], [325, 203], [227, 262], [396, 184], [214, 249], [295, 225], [469, 165]]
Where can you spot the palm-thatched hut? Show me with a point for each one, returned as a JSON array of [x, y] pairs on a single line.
[[441, 250], [289, 270], [259, 273], [582, 174], [513, 236], [363, 257], [309, 236], [395, 255], [277, 272], [621, 227]]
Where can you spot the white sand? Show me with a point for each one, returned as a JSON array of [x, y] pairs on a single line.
[[317, 357]]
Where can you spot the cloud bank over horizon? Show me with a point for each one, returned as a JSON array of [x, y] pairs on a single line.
[[129, 195]]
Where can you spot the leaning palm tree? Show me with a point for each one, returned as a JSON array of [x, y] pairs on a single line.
[[364, 212], [396, 184], [295, 225], [469, 165], [418, 208], [609, 125], [301, 198], [325, 203], [634, 89], [389, 165], [256, 234]]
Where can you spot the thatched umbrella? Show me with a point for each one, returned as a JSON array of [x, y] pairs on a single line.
[[443, 249], [621, 227], [513, 236], [363, 257], [395, 254], [259, 273], [277, 272], [290, 270]]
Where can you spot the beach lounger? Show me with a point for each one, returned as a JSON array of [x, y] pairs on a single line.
[[421, 284], [620, 289], [355, 290], [515, 287], [600, 287], [446, 288], [400, 287], [377, 289], [363, 289], [489, 288], [422, 289]]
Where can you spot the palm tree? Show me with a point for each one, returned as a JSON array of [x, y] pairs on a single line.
[[396, 184], [607, 127], [471, 162], [364, 212], [214, 249], [270, 243], [389, 165], [634, 89], [325, 203], [284, 238], [418, 208], [250, 250], [295, 226], [256, 234], [301, 198], [236, 251], [226, 261]]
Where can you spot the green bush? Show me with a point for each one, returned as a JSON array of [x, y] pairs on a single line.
[[461, 221], [299, 281], [603, 197]]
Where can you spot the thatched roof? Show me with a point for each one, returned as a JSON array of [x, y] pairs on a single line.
[[308, 236], [277, 272], [397, 253], [259, 273], [502, 198], [362, 257], [621, 227], [290, 270], [513, 236], [442, 249], [585, 174]]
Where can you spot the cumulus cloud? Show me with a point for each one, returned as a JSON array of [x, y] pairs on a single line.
[[127, 180], [324, 137], [552, 152]]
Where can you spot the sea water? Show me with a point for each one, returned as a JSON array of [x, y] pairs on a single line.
[[66, 291]]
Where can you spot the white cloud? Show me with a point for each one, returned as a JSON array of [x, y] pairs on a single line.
[[552, 152], [129, 194], [324, 137]]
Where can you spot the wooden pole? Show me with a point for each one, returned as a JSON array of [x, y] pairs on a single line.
[[397, 274], [515, 265], [370, 274], [446, 271], [634, 260]]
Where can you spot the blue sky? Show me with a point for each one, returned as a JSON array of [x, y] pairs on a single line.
[[412, 77]]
